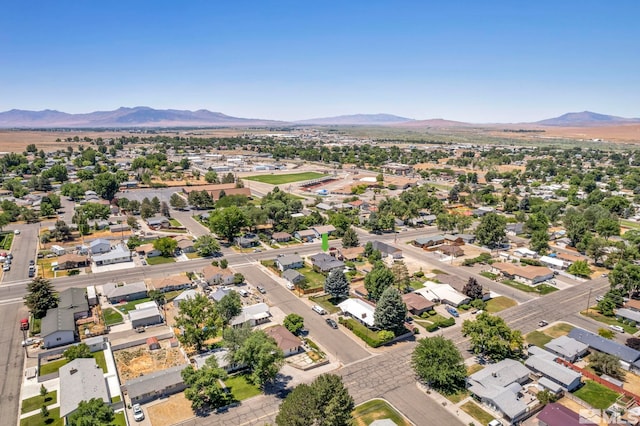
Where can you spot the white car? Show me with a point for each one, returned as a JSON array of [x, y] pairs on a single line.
[[30, 341], [6, 267], [138, 414], [17, 232]]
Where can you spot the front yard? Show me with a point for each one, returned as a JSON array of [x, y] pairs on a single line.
[[541, 338], [314, 279], [377, 409], [240, 388], [500, 303], [53, 419], [593, 313], [540, 288], [125, 308], [325, 302], [36, 402], [159, 260], [474, 410]]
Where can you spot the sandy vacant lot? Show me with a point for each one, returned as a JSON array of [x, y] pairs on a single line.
[[172, 410], [138, 360]]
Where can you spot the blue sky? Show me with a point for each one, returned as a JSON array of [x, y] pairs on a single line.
[[493, 61]]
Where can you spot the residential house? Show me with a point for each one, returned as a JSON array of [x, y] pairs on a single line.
[[525, 252], [324, 207], [424, 242], [628, 314], [222, 357], [467, 238], [252, 315], [281, 237], [122, 292], [247, 241], [285, 340], [324, 229], [144, 316], [99, 245], [498, 386], [387, 250], [289, 261], [453, 239], [119, 228], [170, 283], [154, 385], [184, 296], [554, 414], [416, 304], [632, 304], [543, 363], [157, 222], [57, 250], [293, 276], [569, 259], [514, 229], [552, 262], [530, 275], [459, 283], [358, 309], [147, 250], [452, 250], [185, 245], [350, 254], [567, 348], [119, 254], [629, 358], [81, 380], [72, 261], [442, 293], [306, 235], [220, 293], [58, 327], [215, 275], [92, 297], [325, 263]]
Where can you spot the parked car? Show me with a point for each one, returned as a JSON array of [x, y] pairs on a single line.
[[139, 329], [453, 311], [599, 298], [24, 324], [331, 323], [261, 289], [17, 232], [6, 267], [138, 414], [617, 328], [30, 341], [32, 262], [543, 323], [319, 309]]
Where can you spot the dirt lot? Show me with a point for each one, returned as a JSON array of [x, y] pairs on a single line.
[[172, 410], [138, 360]]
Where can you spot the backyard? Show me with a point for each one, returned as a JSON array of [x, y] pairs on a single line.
[[111, 316], [377, 409], [139, 360], [286, 178], [314, 279], [129, 306], [53, 366], [596, 395]]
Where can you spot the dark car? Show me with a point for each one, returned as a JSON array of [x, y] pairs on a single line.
[[332, 323], [32, 262]]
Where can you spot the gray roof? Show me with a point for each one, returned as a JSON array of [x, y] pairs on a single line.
[[291, 275], [500, 374], [73, 299], [99, 241], [548, 384], [81, 380], [137, 314], [220, 293], [384, 248], [628, 314], [546, 365], [117, 252], [326, 262], [252, 312], [57, 320], [566, 346], [112, 290], [289, 259], [156, 381], [156, 220], [427, 240], [607, 346]]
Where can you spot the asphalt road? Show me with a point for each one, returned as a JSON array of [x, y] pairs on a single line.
[[23, 249]]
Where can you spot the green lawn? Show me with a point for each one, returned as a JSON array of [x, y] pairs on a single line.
[[474, 410], [489, 275], [170, 295], [99, 357], [240, 388], [538, 338], [36, 402], [116, 399], [111, 316], [540, 288], [119, 420], [35, 325], [7, 240], [594, 314], [132, 305], [596, 395], [416, 284], [175, 222], [458, 396], [159, 260], [560, 329], [287, 178], [325, 303], [500, 303], [314, 279], [474, 368], [377, 409], [193, 255], [37, 420], [52, 367]]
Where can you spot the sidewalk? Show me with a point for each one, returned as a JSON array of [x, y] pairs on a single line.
[[454, 409]]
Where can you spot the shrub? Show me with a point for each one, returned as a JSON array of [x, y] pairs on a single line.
[[385, 335], [464, 307], [74, 272], [418, 274], [432, 312], [446, 322], [432, 327]]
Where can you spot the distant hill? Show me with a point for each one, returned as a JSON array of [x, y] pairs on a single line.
[[434, 122], [586, 119], [125, 117], [357, 119]]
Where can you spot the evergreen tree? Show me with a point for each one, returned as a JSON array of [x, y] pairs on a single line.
[[378, 280], [40, 297], [350, 238], [472, 289], [391, 311], [336, 284]]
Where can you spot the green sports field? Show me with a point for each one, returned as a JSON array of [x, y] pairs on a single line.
[[288, 178]]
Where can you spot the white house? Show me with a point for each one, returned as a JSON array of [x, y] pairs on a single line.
[[143, 317], [58, 250], [119, 254], [81, 380], [252, 315], [442, 293], [358, 309], [99, 245], [552, 262]]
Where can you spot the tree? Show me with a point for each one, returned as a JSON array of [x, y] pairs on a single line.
[[350, 238], [580, 268], [294, 323], [608, 227], [146, 210], [4, 220], [164, 209], [401, 276], [46, 210], [491, 337], [336, 284], [472, 289], [260, 353], [206, 245], [238, 278], [228, 222], [606, 333], [177, 202], [391, 312], [633, 343], [105, 185], [378, 280], [92, 412], [40, 297], [155, 203], [576, 226], [203, 386], [491, 230], [368, 249], [545, 397], [539, 241], [197, 321], [438, 363], [43, 391], [44, 411], [625, 277], [132, 222], [77, 351], [597, 249], [229, 306], [166, 246], [606, 364], [211, 177], [324, 402]]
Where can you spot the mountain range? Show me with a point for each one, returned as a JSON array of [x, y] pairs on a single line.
[[149, 117]]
